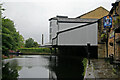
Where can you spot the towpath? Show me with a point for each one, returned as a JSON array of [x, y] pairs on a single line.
[[99, 69]]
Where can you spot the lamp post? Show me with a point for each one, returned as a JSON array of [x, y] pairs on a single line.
[[114, 17], [107, 44], [107, 25], [114, 41], [106, 32], [88, 51]]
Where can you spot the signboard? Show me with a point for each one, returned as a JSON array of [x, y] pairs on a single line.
[[107, 22], [112, 34]]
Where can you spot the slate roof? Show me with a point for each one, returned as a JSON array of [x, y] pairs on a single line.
[[76, 20], [73, 20]]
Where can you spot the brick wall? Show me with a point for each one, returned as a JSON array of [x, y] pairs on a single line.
[[101, 50]]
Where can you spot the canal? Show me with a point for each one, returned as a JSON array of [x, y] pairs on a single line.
[[38, 67]]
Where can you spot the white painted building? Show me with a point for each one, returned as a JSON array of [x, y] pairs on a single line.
[[66, 31]]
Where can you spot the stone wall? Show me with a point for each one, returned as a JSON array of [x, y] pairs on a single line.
[[101, 45], [101, 50], [117, 47]]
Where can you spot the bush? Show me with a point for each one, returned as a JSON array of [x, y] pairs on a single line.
[[85, 65], [9, 72], [35, 50]]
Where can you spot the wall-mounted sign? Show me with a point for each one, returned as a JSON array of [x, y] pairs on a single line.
[[107, 20]]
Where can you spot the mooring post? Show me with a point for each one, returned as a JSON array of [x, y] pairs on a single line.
[[55, 56], [88, 48], [50, 54]]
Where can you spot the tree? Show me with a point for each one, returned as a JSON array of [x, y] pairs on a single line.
[[35, 44], [21, 42], [11, 39], [29, 43], [8, 30], [0, 30]]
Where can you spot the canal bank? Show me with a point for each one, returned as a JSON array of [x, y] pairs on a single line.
[[101, 70]]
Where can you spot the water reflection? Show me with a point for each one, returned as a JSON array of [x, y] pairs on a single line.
[[67, 67], [10, 72], [30, 66], [39, 66]]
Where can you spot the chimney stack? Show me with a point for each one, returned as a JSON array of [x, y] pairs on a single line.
[[42, 39]]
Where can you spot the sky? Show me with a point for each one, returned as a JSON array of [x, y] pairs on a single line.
[[31, 17]]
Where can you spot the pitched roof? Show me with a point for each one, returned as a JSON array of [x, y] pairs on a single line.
[[72, 20], [96, 13]]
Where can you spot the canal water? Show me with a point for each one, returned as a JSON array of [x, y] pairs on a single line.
[[38, 67]]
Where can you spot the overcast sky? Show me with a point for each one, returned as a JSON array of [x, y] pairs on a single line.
[[31, 16]]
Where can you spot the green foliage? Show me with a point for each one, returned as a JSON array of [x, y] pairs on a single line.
[[9, 73], [21, 41], [11, 39], [0, 18], [103, 37], [29, 43], [35, 44], [35, 50], [0, 29], [7, 23], [85, 65]]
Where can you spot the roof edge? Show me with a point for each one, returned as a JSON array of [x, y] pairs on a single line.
[[92, 11]]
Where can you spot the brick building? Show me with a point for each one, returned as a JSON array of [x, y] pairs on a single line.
[[114, 42]]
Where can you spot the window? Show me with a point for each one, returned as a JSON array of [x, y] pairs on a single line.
[[50, 30]]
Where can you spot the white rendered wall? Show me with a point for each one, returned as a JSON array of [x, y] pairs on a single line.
[[64, 26], [54, 27], [80, 36]]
